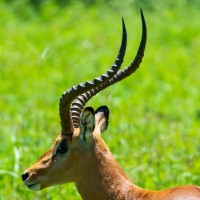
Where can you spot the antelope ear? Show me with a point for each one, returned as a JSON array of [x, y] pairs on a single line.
[[101, 118], [87, 123]]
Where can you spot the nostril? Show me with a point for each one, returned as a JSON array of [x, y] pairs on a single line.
[[25, 175]]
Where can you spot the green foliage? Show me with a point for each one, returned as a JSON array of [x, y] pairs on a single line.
[[154, 123]]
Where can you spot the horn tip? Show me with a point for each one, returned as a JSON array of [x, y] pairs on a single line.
[[141, 12], [142, 15]]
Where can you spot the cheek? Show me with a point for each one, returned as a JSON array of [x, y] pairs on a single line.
[[63, 169], [71, 168], [57, 173]]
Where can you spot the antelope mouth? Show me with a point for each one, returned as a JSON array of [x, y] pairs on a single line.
[[34, 186]]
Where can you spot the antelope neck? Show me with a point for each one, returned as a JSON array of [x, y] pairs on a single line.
[[102, 178]]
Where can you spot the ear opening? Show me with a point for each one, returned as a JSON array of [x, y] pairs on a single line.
[[101, 119], [87, 123]]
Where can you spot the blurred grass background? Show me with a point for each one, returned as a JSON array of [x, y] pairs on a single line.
[[48, 46]]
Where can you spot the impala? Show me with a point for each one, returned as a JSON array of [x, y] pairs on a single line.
[[80, 155]]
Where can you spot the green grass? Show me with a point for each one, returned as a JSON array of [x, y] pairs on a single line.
[[154, 129]]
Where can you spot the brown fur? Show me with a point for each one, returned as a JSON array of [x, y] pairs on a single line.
[[93, 169], [98, 176]]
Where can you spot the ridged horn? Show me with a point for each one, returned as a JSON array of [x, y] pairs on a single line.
[[85, 97], [72, 93]]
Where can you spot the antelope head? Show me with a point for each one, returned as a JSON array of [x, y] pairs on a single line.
[[76, 147]]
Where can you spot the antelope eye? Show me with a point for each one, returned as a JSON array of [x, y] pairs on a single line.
[[62, 148]]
